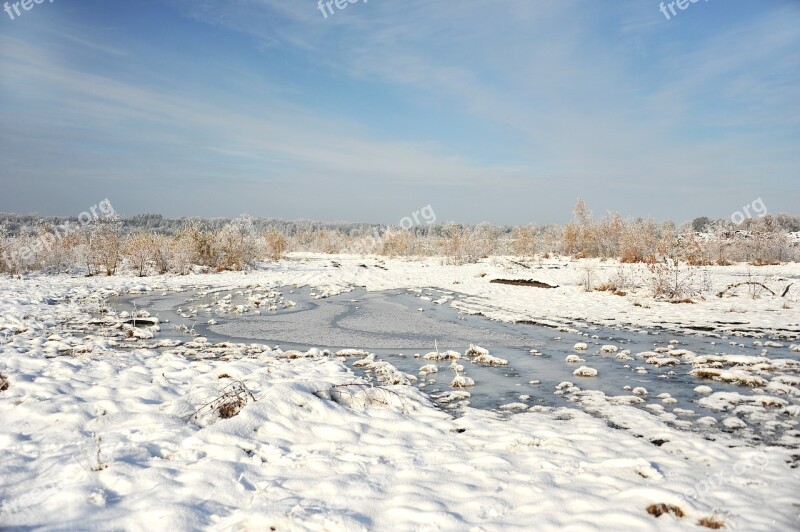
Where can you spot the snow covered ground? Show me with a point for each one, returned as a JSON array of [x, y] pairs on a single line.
[[104, 427]]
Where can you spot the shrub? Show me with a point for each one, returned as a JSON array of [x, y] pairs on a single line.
[[162, 252], [189, 247], [235, 245], [458, 245], [139, 250], [101, 247], [675, 281], [397, 243], [276, 244], [523, 242], [639, 242]]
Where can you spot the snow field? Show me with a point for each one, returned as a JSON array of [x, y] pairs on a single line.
[[100, 432]]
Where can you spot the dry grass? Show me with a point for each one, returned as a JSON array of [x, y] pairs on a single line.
[[706, 373], [714, 522], [234, 397], [231, 407], [610, 286], [657, 510], [3, 383], [764, 262], [607, 286]]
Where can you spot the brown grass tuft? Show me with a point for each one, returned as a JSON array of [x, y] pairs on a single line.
[[657, 510], [231, 407], [606, 287], [713, 522], [3, 383]]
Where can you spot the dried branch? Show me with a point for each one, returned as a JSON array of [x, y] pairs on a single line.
[[750, 283]]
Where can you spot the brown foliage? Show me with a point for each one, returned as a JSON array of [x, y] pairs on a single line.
[[657, 510]]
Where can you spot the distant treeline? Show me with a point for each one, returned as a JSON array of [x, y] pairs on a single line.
[[153, 244], [15, 224]]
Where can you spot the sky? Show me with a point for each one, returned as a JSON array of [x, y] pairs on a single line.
[[499, 111]]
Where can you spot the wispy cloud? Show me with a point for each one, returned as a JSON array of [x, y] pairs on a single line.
[[548, 99]]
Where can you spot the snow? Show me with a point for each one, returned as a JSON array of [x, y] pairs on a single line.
[[429, 368], [489, 360], [445, 355], [585, 371], [109, 432], [461, 381]]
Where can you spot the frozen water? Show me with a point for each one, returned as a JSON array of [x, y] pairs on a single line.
[[391, 325]]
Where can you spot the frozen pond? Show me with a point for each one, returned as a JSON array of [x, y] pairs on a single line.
[[401, 327]]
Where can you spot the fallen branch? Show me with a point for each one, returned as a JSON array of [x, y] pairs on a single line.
[[523, 282], [749, 283], [519, 264]]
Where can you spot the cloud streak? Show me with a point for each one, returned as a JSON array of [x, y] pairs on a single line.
[[508, 106]]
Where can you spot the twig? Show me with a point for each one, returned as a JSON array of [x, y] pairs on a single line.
[[519, 264], [786, 290]]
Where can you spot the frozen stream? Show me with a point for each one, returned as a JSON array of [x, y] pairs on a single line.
[[402, 326]]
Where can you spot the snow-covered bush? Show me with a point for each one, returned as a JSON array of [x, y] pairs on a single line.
[[139, 249], [162, 252], [457, 245], [765, 244], [463, 246], [579, 234], [676, 281], [236, 245], [524, 242], [100, 249], [186, 248], [398, 243], [640, 241]]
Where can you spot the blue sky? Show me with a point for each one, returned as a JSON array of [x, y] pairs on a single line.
[[488, 111]]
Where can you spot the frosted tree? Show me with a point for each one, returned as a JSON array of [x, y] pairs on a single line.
[[236, 245], [139, 249]]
